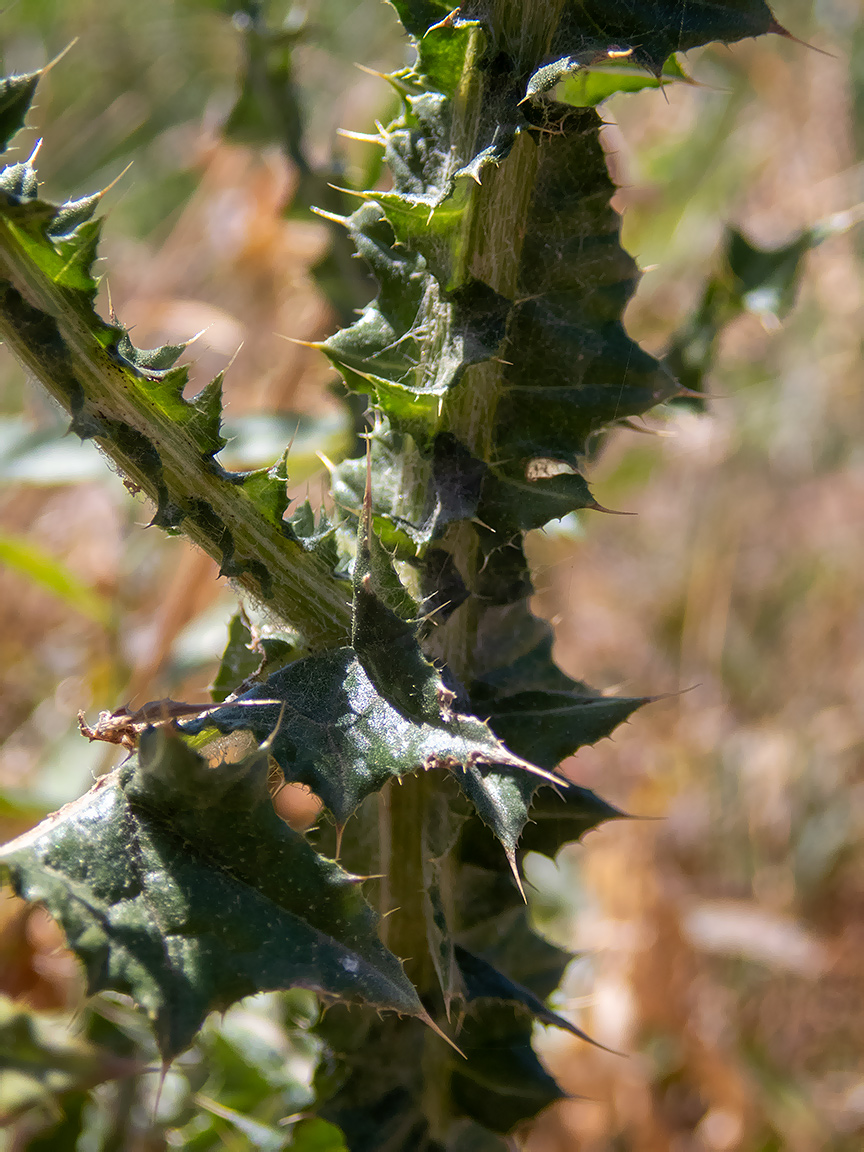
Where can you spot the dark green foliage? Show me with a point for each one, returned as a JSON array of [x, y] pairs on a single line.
[[651, 30], [408, 684], [177, 884], [346, 722], [345, 740], [16, 96], [483, 981]]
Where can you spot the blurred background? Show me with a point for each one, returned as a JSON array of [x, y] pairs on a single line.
[[721, 934]]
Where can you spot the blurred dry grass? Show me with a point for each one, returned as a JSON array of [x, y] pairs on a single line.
[[722, 942]]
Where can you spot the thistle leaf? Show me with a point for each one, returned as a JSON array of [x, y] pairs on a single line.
[[342, 738], [651, 30], [388, 351], [177, 884], [589, 87], [573, 369], [346, 721], [483, 981], [16, 96], [501, 1081], [418, 15]]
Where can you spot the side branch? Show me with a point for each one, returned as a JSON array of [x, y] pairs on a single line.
[[133, 417]]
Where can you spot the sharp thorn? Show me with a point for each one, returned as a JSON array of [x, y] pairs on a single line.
[[511, 860], [427, 1019], [116, 180], [347, 192], [364, 137], [60, 55], [303, 343], [334, 217]]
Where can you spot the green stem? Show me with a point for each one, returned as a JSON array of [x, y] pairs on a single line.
[[491, 252], [404, 926], [495, 230]]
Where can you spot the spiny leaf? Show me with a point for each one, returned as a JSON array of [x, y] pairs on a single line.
[[591, 86], [418, 15], [415, 494], [529, 818], [654, 29], [581, 62], [72, 214], [339, 736], [455, 486], [383, 634], [131, 401], [178, 884], [502, 800], [501, 1081], [389, 351], [539, 711], [552, 725], [444, 815], [152, 359], [563, 815], [349, 720], [517, 501], [16, 96], [572, 367], [506, 938], [483, 981]]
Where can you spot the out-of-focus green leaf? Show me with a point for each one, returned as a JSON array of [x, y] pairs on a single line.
[[43, 570], [178, 884], [41, 1058], [264, 1137], [748, 278], [317, 1136]]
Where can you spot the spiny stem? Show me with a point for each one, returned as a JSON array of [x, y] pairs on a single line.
[[53, 339]]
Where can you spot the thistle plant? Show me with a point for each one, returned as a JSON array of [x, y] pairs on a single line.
[[420, 702]]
